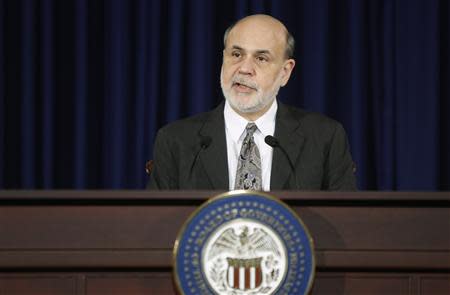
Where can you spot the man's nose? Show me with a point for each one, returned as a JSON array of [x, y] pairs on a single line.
[[247, 67]]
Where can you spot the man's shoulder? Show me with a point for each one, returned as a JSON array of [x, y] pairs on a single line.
[[188, 125]]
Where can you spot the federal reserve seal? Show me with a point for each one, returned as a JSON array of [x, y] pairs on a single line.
[[244, 243]]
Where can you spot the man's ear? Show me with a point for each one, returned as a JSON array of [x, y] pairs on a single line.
[[287, 70]]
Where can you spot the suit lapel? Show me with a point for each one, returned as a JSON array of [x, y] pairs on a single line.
[[215, 161], [288, 135], [214, 158]]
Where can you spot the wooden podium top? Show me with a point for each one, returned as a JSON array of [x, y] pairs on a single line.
[[137, 229]]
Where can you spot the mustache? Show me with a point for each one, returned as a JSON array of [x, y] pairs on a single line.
[[245, 82]]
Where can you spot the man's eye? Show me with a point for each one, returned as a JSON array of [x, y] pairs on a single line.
[[236, 54], [261, 58]]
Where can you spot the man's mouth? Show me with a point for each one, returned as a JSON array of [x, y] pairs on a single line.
[[240, 87]]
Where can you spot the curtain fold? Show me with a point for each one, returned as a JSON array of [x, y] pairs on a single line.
[[28, 95], [2, 96], [80, 95], [47, 77], [85, 85]]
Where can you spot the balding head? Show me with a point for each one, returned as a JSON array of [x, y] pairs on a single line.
[[268, 24]]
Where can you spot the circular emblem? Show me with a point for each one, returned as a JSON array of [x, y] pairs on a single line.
[[244, 243]]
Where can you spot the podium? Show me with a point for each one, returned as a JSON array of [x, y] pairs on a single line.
[[120, 242]]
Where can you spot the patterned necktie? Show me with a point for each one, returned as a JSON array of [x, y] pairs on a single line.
[[248, 175]]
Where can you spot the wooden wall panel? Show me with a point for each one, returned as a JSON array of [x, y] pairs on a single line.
[[38, 284], [129, 284], [160, 283], [367, 284], [143, 236], [375, 227], [90, 227], [436, 285]]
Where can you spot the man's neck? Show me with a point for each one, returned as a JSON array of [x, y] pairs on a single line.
[[252, 117]]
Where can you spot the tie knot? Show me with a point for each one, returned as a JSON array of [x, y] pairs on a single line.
[[251, 128]]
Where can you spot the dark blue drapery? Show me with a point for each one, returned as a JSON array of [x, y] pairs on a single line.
[[85, 84]]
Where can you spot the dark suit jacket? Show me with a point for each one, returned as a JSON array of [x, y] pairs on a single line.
[[184, 158]]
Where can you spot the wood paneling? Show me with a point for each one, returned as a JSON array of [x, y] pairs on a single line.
[[39, 284], [436, 285], [140, 283], [129, 284], [367, 284], [69, 242]]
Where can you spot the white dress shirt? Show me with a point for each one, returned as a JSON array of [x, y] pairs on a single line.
[[235, 134]]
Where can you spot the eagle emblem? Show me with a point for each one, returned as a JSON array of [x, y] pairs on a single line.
[[244, 258]]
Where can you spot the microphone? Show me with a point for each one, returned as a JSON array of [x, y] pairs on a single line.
[[205, 141], [274, 143]]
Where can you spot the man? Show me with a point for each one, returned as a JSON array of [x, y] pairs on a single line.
[[252, 141]]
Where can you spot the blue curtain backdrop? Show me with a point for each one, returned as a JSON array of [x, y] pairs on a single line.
[[85, 84]]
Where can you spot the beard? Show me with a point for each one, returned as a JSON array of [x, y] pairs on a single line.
[[249, 102]]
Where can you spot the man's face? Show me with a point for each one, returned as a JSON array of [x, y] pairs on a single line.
[[254, 65]]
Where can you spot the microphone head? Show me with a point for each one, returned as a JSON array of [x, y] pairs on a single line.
[[272, 141], [205, 141]]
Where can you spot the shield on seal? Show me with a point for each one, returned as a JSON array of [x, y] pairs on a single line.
[[244, 274]]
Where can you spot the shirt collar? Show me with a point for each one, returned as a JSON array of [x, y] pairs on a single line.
[[235, 124]]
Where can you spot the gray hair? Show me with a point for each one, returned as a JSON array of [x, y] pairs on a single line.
[[290, 41]]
